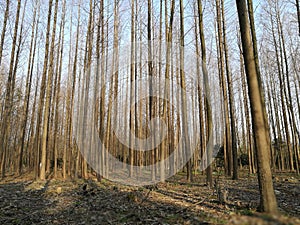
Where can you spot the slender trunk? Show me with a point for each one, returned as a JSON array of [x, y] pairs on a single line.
[[207, 102], [31, 60], [261, 138], [59, 63], [48, 99], [5, 125], [227, 146], [231, 101], [185, 131], [298, 14], [4, 29], [288, 95], [132, 86], [42, 94], [167, 85], [199, 88]]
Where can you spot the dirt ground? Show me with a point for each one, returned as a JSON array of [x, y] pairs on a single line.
[[25, 201]]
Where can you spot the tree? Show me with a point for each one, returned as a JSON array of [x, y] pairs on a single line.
[[185, 132], [231, 100], [298, 13], [132, 85], [223, 84], [262, 143], [58, 72], [42, 94], [48, 99], [167, 78], [31, 60], [4, 29], [8, 102], [208, 112]]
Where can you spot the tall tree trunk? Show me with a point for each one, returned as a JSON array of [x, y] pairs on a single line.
[[103, 86], [185, 131], [48, 99], [227, 145], [132, 86], [4, 29], [288, 95], [166, 115], [207, 102], [31, 59], [42, 94], [199, 88], [150, 74], [231, 101], [298, 13], [8, 102], [261, 138], [255, 52], [59, 63]]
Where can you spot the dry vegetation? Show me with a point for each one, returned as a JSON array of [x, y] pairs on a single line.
[[24, 201]]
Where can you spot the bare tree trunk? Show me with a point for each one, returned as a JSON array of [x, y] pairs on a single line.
[[42, 94], [5, 125], [150, 74], [207, 102], [199, 88], [185, 131], [31, 60], [231, 101], [255, 52], [48, 99], [262, 143], [132, 86], [298, 14], [227, 145], [103, 87], [96, 94], [288, 95], [4, 29], [59, 63], [167, 86]]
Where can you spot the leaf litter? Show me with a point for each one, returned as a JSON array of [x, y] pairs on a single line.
[[25, 201]]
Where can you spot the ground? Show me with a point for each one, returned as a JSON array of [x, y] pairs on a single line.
[[25, 201]]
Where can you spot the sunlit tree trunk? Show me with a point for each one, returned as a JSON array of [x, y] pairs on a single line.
[[103, 86], [59, 63], [227, 144], [8, 102], [48, 99], [185, 131], [207, 102], [233, 133], [261, 138], [132, 87], [288, 95], [200, 100], [70, 102], [42, 94], [4, 29], [165, 116], [31, 59]]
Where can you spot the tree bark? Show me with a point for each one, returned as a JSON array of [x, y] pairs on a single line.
[[4, 29], [231, 100], [298, 14], [48, 99], [262, 143], [227, 144], [5, 125]]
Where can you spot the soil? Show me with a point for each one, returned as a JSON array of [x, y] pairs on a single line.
[[26, 201]]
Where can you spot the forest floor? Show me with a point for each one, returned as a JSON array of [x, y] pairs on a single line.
[[25, 201]]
